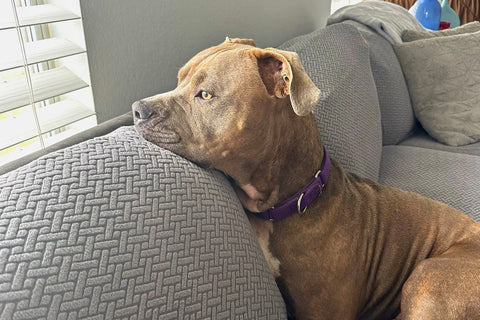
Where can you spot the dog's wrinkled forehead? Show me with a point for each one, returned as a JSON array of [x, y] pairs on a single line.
[[238, 61], [230, 44]]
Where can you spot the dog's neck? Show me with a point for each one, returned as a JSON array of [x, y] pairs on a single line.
[[283, 170]]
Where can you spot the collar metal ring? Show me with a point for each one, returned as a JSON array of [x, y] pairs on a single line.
[[299, 203]]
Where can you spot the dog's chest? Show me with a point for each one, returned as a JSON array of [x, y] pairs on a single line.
[[263, 229]]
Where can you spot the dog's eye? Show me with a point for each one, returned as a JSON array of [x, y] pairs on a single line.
[[205, 95]]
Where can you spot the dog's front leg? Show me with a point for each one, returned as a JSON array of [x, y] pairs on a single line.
[[322, 302]]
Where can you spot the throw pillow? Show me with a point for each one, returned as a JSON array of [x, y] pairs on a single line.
[[412, 35], [443, 77]]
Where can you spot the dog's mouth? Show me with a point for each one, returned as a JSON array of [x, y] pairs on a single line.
[[170, 140], [159, 135]]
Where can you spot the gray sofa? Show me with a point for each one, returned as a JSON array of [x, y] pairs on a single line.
[[113, 227]]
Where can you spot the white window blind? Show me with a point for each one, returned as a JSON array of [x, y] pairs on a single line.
[[45, 93]]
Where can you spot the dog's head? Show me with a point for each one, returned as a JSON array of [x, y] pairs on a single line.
[[229, 101]]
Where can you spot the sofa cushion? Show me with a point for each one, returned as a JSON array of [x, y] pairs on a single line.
[[118, 228], [443, 76], [348, 116], [398, 118], [448, 177], [422, 139]]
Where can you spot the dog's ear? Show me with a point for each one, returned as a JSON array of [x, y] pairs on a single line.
[[249, 42], [283, 75]]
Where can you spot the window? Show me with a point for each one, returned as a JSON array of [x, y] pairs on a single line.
[[337, 4], [45, 93]]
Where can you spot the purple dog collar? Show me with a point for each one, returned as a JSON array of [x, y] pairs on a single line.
[[303, 198]]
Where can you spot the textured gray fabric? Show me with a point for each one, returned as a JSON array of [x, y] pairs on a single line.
[[445, 92], [412, 35], [444, 176], [387, 18], [117, 228], [423, 140], [398, 118], [348, 116]]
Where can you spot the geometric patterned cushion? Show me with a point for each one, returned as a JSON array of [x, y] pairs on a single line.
[[348, 114], [117, 228]]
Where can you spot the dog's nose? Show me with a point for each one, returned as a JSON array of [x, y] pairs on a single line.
[[142, 110]]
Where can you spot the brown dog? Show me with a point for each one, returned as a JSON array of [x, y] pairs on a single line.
[[360, 250]]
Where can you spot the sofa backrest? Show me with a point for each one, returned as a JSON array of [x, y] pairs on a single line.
[[348, 115], [398, 118]]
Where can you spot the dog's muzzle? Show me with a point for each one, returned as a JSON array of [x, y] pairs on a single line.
[[150, 118], [144, 110]]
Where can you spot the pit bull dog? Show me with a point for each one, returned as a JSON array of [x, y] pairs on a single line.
[[340, 246]]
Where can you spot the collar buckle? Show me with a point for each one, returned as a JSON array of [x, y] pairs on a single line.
[[307, 194], [299, 202]]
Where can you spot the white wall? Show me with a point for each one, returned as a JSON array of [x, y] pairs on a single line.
[[135, 48]]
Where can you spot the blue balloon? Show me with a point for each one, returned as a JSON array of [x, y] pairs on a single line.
[[428, 13]]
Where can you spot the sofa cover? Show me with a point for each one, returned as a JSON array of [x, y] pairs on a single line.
[[117, 228]]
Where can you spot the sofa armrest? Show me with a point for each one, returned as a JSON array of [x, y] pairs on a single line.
[[118, 228]]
